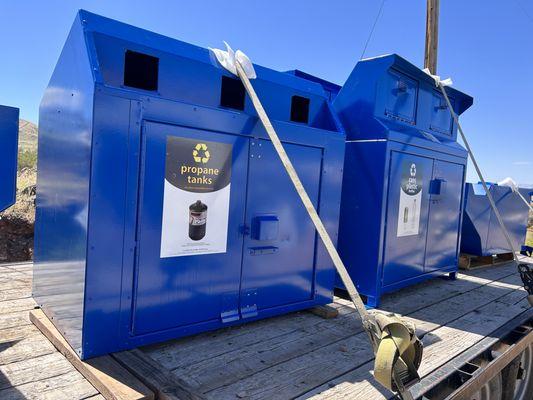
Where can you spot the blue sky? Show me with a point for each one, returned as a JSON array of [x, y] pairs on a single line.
[[485, 46]]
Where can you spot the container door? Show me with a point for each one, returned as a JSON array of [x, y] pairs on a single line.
[[476, 220], [279, 252], [407, 213], [446, 191], [191, 208], [514, 214]]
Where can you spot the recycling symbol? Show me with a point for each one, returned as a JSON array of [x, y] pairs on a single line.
[[413, 170], [200, 153]]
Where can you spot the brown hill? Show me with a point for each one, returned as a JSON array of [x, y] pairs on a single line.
[[27, 135]]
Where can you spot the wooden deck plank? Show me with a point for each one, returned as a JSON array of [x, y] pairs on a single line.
[[430, 292], [33, 370], [11, 306], [30, 367], [439, 347], [11, 280], [243, 361], [14, 293], [302, 373], [10, 320], [163, 383], [189, 351], [29, 347], [275, 358], [17, 333], [107, 375], [69, 386]]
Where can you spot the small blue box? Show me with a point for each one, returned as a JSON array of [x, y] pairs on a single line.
[[9, 130], [265, 227]]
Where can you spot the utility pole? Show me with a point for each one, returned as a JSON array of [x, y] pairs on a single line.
[[432, 36]]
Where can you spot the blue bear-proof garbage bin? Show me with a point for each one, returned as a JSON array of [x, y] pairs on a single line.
[[162, 207], [403, 176], [9, 131], [481, 233]]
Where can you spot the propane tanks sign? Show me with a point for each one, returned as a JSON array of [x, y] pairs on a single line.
[[410, 200], [196, 197]]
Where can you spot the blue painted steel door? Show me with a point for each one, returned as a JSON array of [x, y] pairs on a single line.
[[280, 250], [446, 190], [514, 214], [177, 291], [407, 215]]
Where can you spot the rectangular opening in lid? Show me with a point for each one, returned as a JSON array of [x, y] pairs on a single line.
[[300, 109], [141, 71], [232, 93]]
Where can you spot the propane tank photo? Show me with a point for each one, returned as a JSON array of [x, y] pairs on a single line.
[[197, 220]]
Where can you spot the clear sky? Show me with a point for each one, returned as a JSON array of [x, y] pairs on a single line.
[[486, 46]]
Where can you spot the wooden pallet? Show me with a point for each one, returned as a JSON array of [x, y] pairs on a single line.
[[468, 261], [295, 356]]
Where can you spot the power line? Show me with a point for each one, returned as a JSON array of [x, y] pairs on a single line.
[[526, 13], [373, 27]]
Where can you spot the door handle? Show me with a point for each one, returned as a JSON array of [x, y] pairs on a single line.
[[259, 251]]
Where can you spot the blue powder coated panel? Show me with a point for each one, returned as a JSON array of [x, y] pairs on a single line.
[[404, 256], [445, 199], [401, 95], [481, 234], [101, 271], [9, 132], [294, 248], [63, 177], [398, 129]]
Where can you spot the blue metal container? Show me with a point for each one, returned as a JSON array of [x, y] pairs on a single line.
[[9, 132], [403, 177], [162, 207], [481, 233], [331, 88]]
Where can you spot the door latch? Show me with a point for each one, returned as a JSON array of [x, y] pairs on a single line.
[[244, 230]]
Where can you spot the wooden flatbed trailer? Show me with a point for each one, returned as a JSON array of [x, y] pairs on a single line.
[[476, 333]]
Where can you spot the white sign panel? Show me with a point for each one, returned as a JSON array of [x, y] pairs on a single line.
[[196, 197], [410, 201]]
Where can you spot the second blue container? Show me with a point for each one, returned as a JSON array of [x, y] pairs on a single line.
[[482, 234], [403, 177]]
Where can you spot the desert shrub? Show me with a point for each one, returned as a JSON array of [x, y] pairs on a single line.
[[27, 159]]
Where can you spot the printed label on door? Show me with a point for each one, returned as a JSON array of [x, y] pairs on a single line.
[[410, 200], [196, 197]]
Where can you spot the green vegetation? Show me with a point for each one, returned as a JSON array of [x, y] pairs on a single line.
[[27, 159]]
